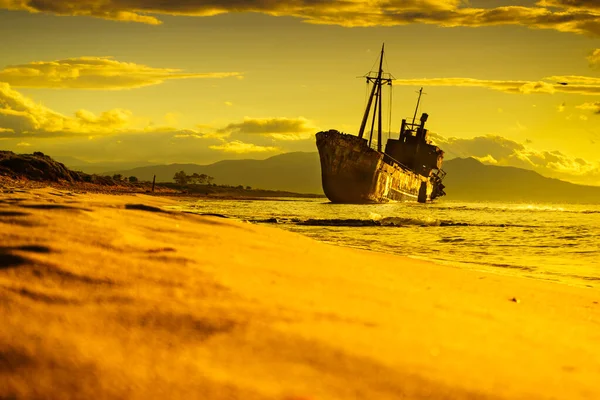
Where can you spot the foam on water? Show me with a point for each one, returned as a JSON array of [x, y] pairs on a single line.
[[543, 241]]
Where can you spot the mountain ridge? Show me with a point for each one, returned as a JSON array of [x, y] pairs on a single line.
[[294, 172], [467, 178]]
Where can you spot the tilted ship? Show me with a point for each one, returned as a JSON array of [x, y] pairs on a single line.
[[410, 168]]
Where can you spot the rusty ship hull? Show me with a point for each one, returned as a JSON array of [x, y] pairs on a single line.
[[354, 173]]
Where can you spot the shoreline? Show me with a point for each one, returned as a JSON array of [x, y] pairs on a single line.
[[287, 224], [113, 296]]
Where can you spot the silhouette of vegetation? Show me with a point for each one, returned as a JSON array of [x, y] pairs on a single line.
[[230, 191], [133, 179], [181, 178], [201, 179]]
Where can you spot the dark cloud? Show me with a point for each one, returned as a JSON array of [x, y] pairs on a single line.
[[590, 5], [577, 16]]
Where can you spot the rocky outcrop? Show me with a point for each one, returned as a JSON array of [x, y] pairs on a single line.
[[38, 167]]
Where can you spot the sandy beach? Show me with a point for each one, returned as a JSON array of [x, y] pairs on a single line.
[[114, 296]]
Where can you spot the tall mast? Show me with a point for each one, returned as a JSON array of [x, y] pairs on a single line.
[[379, 95], [376, 84], [417, 109]]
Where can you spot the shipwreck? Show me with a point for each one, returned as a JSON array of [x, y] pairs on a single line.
[[357, 170]]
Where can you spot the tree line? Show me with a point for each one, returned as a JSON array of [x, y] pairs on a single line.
[[181, 178], [119, 177]]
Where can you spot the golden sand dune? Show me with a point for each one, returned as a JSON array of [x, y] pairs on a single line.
[[113, 297]]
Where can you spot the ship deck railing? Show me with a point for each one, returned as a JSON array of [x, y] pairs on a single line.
[[440, 174], [386, 155]]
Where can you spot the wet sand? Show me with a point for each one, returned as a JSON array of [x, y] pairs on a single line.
[[106, 296]]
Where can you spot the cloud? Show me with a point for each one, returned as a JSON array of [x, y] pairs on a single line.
[[94, 73], [594, 59], [239, 147], [495, 146], [276, 128], [576, 16], [211, 134], [118, 134], [574, 84], [587, 5], [595, 107], [155, 147], [487, 159], [110, 9], [20, 115], [115, 118], [574, 80], [497, 150], [172, 118]]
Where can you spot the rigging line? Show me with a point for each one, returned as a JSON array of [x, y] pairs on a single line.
[[387, 67], [390, 117], [373, 66], [384, 123], [377, 103]]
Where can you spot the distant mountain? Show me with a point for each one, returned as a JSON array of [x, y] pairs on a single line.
[[70, 161], [76, 164], [467, 179], [298, 172]]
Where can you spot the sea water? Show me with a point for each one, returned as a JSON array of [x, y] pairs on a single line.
[[558, 242]]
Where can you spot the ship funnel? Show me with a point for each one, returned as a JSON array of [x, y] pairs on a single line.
[[422, 132]]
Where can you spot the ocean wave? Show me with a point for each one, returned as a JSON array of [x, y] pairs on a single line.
[[452, 240], [381, 222], [516, 208], [388, 221], [501, 265]]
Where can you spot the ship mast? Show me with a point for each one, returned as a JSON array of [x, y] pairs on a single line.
[[417, 108], [376, 93]]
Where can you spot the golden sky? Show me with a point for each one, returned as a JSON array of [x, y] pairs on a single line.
[[510, 82]]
